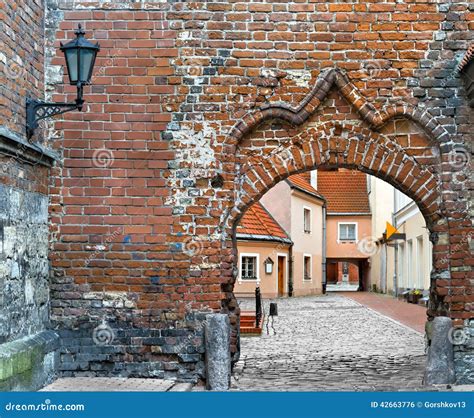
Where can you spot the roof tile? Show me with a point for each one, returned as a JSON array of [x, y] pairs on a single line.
[[258, 221], [303, 182], [345, 191]]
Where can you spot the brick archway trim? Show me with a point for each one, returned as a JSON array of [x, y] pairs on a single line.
[[326, 80], [336, 145]]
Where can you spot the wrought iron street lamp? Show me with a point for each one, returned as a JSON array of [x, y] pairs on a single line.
[[80, 57]]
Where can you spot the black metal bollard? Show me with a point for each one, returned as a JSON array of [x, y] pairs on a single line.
[[258, 306]]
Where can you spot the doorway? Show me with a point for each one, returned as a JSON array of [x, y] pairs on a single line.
[[281, 276]]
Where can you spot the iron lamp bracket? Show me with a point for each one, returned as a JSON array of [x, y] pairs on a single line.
[[37, 110]]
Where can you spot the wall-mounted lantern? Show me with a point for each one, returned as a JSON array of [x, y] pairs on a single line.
[[80, 57], [268, 263]]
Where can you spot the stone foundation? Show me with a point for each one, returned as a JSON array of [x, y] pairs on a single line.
[[29, 363]]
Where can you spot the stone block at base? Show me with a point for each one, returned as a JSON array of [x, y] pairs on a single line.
[[29, 363], [218, 362]]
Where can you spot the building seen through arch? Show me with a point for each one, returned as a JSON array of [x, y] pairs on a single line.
[[327, 229]]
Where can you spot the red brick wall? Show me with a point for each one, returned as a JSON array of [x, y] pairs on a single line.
[[21, 60], [180, 136], [353, 271]]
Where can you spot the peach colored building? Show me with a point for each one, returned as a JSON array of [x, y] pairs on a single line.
[[263, 253], [349, 241], [296, 208]]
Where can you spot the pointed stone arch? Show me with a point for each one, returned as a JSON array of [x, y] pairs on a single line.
[[328, 79]]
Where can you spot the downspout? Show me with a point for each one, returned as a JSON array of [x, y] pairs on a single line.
[[395, 272], [290, 271], [324, 278], [395, 260]]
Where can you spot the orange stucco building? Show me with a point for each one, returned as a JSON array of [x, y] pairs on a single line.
[[349, 241], [285, 228], [314, 228]]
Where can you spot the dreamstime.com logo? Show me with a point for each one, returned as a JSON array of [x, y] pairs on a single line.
[[368, 246], [103, 334], [47, 405], [459, 158], [103, 158], [193, 246], [14, 70], [458, 336]]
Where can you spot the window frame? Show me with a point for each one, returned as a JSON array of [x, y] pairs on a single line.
[[257, 267], [305, 256], [356, 232], [307, 209]]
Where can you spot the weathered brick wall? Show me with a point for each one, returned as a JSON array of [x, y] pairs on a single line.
[[185, 127], [21, 60], [27, 349]]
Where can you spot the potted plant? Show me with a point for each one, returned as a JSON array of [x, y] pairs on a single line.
[[414, 296]]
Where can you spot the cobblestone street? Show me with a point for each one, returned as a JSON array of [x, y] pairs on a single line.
[[329, 343]]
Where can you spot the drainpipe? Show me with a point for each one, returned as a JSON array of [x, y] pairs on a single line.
[[395, 267], [290, 271], [324, 278], [395, 272]]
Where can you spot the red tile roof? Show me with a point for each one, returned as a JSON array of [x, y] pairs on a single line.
[[468, 57], [303, 182], [345, 191], [257, 221]]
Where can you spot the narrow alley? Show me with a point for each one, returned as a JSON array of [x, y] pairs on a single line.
[[330, 343]]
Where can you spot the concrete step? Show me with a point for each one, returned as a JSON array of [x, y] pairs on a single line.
[[342, 287]]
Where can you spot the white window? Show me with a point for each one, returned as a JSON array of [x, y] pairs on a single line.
[[249, 267], [307, 220], [401, 200], [410, 270], [420, 262], [347, 231], [307, 267]]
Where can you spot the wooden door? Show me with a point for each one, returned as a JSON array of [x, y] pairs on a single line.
[[331, 272], [281, 276]]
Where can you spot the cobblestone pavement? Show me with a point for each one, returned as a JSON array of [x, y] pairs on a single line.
[[329, 343], [115, 384]]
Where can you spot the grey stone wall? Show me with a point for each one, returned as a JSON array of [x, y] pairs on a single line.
[[28, 352], [24, 292]]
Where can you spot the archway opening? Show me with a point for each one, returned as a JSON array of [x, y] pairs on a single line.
[[308, 241]]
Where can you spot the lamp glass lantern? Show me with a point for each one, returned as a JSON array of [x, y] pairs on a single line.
[[80, 57], [268, 263]]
